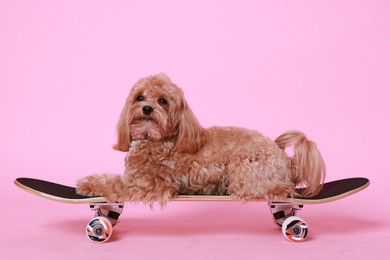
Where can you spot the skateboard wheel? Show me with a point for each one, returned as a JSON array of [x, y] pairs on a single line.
[[295, 229], [99, 230]]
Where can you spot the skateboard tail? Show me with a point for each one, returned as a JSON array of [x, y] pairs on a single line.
[[54, 191]]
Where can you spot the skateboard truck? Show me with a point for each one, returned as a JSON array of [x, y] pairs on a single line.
[[293, 228], [100, 228], [282, 210]]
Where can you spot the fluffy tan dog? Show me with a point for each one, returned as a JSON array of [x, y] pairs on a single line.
[[170, 153]]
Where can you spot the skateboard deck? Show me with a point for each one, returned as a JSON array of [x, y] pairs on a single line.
[[100, 228], [330, 191]]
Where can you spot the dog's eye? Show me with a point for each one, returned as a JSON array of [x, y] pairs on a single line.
[[162, 101], [140, 98]]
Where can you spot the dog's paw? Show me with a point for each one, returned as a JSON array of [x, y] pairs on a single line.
[[88, 186]]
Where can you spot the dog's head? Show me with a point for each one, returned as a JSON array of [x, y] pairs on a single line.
[[156, 109]]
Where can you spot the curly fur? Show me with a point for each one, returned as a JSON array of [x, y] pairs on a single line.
[[170, 153]]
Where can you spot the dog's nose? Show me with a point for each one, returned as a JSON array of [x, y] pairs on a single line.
[[147, 110]]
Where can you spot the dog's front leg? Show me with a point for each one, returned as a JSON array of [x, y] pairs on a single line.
[[150, 185], [98, 185], [139, 186]]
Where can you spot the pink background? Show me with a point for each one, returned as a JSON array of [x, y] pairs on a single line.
[[66, 68]]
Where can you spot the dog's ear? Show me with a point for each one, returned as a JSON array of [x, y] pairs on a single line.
[[124, 139], [192, 136]]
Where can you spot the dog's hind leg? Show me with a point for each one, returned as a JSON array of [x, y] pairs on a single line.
[[260, 177]]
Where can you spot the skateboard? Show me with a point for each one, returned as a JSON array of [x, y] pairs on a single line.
[[100, 228]]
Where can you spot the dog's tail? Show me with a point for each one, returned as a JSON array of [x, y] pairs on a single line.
[[307, 164]]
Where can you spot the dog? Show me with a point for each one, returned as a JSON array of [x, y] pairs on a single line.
[[169, 154]]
